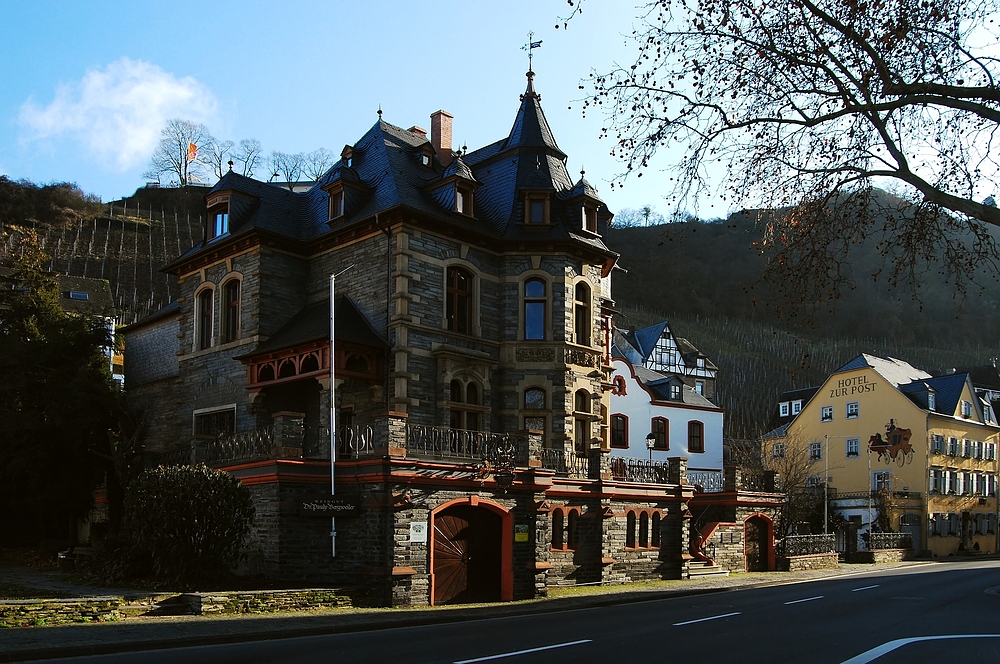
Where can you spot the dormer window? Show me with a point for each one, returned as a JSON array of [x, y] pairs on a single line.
[[590, 218], [675, 392], [537, 209], [463, 200], [931, 401], [347, 156], [336, 203], [221, 223]]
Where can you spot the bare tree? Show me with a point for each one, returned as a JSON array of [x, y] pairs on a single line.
[[174, 155], [318, 162], [804, 105], [287, 166], [790, 460], [644, 216], [248, 155], [217, 153]]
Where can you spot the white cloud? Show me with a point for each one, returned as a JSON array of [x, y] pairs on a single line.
[[118, 112]]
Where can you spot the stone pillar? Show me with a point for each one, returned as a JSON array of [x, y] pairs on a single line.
[[536, 439], [770, 481], [598, 464], [286, 435], [677, 469], [731, 478], [394, 441]]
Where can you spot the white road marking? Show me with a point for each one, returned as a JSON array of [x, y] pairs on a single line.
[[857, 590], [691, 622], [995, 590], [807, 599], [522, 652], [888, 647]]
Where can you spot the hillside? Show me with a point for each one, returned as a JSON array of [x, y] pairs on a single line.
[[705, 279], [125, 242]]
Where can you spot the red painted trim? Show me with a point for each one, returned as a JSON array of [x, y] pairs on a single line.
[[506, 542], [770, 540]]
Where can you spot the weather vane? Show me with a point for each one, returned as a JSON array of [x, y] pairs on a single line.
[[530, 46]]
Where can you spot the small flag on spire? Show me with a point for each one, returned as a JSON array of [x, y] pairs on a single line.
[[192, 152]]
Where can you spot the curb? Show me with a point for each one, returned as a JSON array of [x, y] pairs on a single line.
[[418, 618]]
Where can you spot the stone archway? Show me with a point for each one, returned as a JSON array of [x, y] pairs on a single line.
[[471, 552], [758, 543]]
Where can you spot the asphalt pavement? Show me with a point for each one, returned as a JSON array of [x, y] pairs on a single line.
[[149, 633]]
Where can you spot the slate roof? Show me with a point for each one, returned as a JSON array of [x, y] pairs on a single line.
[[895, 371], [387, 172], [948, 390], [312, 323], [659, 383], [99, 300]]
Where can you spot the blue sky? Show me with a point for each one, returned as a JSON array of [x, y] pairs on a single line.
[[87, 86]]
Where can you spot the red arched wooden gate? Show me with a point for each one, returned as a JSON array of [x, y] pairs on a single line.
[[471, 553]]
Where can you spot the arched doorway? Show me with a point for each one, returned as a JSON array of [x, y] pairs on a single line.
[[471, 552], [758, 544]]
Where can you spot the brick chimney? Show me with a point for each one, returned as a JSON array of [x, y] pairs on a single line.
[[441, 135]]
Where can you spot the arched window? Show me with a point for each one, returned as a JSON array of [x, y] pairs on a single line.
[[644, 530], [557, 530], [205, 318], [696, 436], [655, 526], [571, 523], [459, 300], [582, 321], [581, 421], [231, 320], [535, 305], [534, 406], [660, 426], [630, 530], [619, 431], [462, 397]]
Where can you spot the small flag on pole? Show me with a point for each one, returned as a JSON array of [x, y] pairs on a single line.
[[536, 44], [192, 152]]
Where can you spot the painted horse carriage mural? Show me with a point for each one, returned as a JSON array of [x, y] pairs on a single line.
[[894, 447]]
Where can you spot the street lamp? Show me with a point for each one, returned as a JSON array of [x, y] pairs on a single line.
[[650, 444]]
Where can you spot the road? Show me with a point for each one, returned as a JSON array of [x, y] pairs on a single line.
[[877, 616]]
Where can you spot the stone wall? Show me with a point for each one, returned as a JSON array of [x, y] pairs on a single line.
[[45, 612], [805, 563], [152, 352], [880, 556]]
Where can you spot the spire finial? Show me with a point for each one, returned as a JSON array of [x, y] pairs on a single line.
[[380, 111], [582, 172], [529, 47], [230, 165]]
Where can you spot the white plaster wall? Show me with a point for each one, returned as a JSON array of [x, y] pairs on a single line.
[[635, 404]]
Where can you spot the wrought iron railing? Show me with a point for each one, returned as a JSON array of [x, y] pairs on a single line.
[[710, 481], [571, 465], [445, 442], [638, 470], [180, 456], [804, 545], [355, 441], [255, 444], [888, 540]]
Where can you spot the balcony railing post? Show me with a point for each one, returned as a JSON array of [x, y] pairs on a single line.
[[534, 441], [732, 478], [287, 433], [677, 470]]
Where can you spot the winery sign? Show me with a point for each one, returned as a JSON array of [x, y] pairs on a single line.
[[333, 506]]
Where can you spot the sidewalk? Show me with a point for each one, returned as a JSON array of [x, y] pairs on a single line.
[[146, 633]]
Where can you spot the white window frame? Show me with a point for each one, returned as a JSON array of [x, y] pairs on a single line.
[[783, 409], [796, 406], [853, 409], [826, 414], [853, 448], [778, 450], [881, 479], [816, 450]]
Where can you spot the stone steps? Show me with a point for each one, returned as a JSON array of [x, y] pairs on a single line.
[[700, 569]]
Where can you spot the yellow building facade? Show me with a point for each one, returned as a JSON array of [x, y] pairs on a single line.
[[905, 450]]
